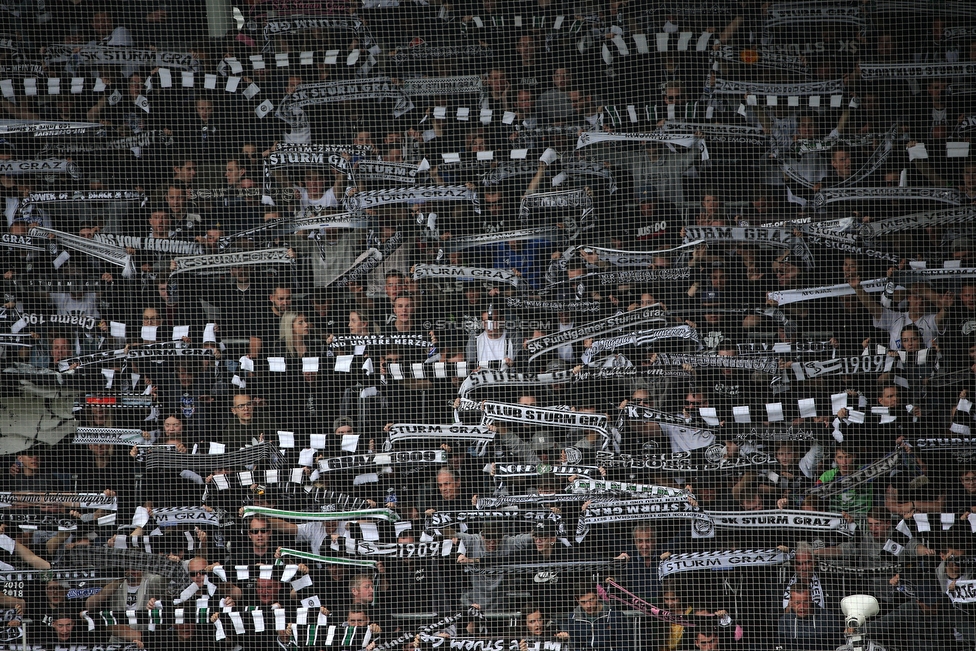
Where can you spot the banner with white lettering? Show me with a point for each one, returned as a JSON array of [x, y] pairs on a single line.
[[350, 91], [730, 559], [450, 272], [543, 417], [362, 201], [237, 259], [108, 55], [46, 166], [784, 519], [639, 317]]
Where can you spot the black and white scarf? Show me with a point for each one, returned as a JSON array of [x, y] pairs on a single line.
[[13, 241], [157, 244], [787, 296], [397, 173], [918, 220], [503, 470], [140, 140], [158, 459], [361, 201], [731, 134], [236, 259], [317, 217], [46, 129], [375, 461], [732, 87], [636, 510], [857, 365], [682, 139], [586, 307], [84, 196], [889, 71], [543, 417], [768, 58], [186, 515], [102, 55], [860, 476], [430, 52], [510, 379], [835, 195], [308, 156], [784, 519], [66, 500], [352, 90], [427, 371], [111, 254], [847, 244], [107, 436], [450, 272], [642, 316], [438, 86], [578, 199], [367, 261], [712, 459], [293, 24], [400, 432], [605, 486], [729, 559], [446, 518], [619, 258], [348, 341], [816, 592], [763, 364], [640, 276], [551, 233], [641, 338]]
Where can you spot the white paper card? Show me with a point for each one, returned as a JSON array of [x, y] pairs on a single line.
[[310, 364], [741, 414], [709, 415], [917, 152], [180, 331], [957, 149], [149, 333], [838, 401], [286, 439], [774, 412], [276, 364], [116, 329], [808, 407], [247, 364], [350, 442]]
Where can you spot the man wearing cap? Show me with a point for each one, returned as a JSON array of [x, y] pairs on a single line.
[[64, 631]]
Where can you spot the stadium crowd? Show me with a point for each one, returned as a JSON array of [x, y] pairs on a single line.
[[537, 324]]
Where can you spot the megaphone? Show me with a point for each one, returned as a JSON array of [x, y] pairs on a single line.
[[858, 608]]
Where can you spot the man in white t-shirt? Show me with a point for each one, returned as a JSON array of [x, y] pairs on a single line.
[[493, 348], [894, 321]]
